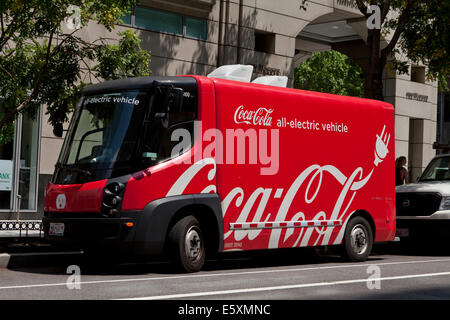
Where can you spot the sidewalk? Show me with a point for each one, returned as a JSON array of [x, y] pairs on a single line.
[[21, 234]]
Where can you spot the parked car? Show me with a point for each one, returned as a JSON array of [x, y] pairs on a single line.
[[423, 208]]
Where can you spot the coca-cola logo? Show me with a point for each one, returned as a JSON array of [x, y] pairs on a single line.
[[309, 184], [259, 117]]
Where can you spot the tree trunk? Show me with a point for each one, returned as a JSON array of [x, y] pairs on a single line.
[[373, 86]]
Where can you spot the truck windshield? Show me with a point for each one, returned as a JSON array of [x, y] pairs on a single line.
[[102, 137], [437, 170], [119, 133]]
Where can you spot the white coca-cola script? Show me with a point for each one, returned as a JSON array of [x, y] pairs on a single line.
[[311, 178], [259, 117]]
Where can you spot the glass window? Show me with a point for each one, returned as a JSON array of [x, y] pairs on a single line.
[[264, 41], [167, 22], [7, 139], [6, 172], [28, 162], [159, 140], [446, 106], [19, 144], [126, 19], [438, 169], [196, 28], [103, 139], [158, 20]]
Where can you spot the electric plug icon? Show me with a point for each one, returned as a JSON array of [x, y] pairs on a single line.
[[381, 146]]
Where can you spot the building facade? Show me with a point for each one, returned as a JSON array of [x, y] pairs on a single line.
[[197, 36]]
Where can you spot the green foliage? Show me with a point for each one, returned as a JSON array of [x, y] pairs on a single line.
[[426, 38], [35, 69], [330, 72], [123, 60], [7, 133], [419, 33]]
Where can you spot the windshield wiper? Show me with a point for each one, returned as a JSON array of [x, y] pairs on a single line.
[[72, 167]]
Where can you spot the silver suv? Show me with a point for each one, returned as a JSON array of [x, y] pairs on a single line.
[[423, 208]]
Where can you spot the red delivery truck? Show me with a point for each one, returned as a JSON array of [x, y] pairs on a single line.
[[192, 166]]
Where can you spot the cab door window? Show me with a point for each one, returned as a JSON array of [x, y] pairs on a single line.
[[167, 117]]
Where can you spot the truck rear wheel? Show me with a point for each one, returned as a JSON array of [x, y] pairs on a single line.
[[187, 244], [358, 240]]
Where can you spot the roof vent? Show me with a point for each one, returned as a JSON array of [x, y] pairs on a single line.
[[237, 72], [277, 81]]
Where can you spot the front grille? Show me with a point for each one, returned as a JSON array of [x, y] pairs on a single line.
[[91, 231], [417, 204], [87, 229]]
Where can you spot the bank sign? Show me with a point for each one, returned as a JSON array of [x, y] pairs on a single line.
[[6, 167]]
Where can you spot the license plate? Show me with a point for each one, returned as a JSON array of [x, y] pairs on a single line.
[[56, 229], [402, 233]]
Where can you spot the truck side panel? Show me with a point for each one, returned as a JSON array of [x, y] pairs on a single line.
[[311, 161]]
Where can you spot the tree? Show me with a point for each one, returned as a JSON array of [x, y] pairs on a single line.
[[330, 72], [42, 61], [419, 29]]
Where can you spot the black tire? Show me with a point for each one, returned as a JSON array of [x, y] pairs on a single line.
[[187, 245], [358, 240]]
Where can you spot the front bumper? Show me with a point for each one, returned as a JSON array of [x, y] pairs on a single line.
[[436, 225], [149, 233], [108, 234]]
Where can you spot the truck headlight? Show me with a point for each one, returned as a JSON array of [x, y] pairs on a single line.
[[445, 203], [112, 198]]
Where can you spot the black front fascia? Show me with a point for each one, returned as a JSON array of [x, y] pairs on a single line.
[[151, 225]]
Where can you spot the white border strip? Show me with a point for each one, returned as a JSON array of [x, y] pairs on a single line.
[[285, 224]]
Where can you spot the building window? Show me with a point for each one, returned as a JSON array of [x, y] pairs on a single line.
[[264, 41], [418, 74], [7, 172], [28, 164], [158, 20], [195, 28], [19, 164], [164, 21], [126, 19], [446, 106]]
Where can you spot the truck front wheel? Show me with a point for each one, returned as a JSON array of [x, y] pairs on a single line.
[[187, 244], [358, 239]]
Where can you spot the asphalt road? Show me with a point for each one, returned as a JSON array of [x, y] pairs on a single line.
[[392, 272]]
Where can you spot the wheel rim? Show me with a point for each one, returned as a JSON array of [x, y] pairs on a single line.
[[193, 243], [359, 239]]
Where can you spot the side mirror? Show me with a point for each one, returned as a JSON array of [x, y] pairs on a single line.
[[177, 96], [171, 97], [58, 130], [173, 100]]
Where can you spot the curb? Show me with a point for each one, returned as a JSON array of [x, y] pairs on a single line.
[[15, 260]]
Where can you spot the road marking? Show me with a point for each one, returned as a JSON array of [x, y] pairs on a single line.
[[204, 275], [285, 287]]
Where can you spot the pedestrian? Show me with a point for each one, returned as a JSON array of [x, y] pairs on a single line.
[[401, 174]]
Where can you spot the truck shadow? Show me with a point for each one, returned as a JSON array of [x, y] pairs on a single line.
[[107, 265], [259, 259]]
